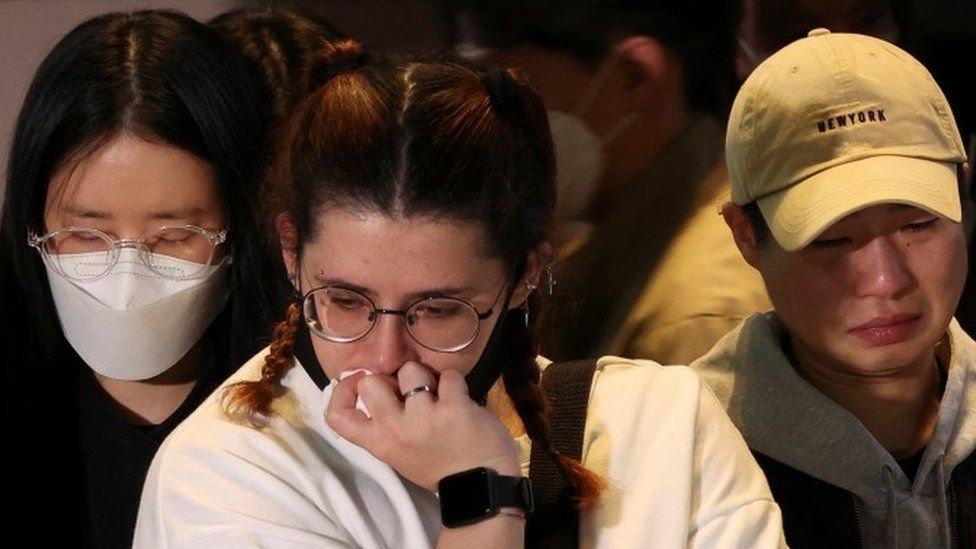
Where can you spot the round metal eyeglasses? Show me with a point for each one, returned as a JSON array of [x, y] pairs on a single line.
[[86, 254], [444, 324]]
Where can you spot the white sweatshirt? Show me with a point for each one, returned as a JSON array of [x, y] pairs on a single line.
[[679, 474]]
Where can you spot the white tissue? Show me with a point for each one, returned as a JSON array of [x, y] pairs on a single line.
[[359, 400]]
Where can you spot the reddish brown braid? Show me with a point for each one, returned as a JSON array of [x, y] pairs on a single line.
[[252, 400], [521, 378]]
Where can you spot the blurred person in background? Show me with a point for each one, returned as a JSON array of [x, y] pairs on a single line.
[[279, 44], [637, 94]]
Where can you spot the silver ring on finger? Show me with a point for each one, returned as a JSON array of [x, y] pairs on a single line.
[[417, 390]]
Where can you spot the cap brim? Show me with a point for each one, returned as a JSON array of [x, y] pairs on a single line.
[[798, 214]]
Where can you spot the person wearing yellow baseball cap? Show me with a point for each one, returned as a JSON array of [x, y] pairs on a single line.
[[857, 392]]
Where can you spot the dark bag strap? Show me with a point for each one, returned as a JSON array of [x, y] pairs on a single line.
[[555, 521]]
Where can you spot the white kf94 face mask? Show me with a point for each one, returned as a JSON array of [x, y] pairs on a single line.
[[133, 324], [580, 156]]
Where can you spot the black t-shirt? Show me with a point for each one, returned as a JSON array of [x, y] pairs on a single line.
[[116, 457], [911, 463]]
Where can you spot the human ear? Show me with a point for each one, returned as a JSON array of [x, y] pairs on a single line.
[[742, 232], [647, 63], [537, 260]]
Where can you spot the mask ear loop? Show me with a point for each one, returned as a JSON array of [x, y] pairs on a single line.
[[303, 350], [489, 367], [589, 95], [296, 293], [751, 54]]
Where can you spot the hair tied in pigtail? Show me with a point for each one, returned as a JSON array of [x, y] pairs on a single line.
[[504, 92], [335, 59]]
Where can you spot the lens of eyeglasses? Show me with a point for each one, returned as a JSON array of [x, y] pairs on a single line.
[[443, 324], [192, 247], [338, 315], [341, 316], [80, 254], [178, 253]]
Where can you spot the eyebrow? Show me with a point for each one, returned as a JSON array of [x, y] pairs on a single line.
[[184, 213], [87, 213], [91, 213], [443, 291]]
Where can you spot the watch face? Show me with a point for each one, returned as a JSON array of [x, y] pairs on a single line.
[[465, 497]]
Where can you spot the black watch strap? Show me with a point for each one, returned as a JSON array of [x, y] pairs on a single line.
[[477, 494], [514, 492]]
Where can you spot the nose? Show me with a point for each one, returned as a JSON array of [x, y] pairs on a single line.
[[389, 345], [883, 269]]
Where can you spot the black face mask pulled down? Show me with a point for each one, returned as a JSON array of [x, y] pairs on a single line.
[[493, 359]]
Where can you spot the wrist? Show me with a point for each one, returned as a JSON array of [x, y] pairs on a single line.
[[481, 493], [508, 466], [512, 513]]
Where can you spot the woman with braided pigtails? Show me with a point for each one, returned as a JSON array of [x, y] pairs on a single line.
[[400, 399]]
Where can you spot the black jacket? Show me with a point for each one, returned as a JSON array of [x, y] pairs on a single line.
[[819, 515]]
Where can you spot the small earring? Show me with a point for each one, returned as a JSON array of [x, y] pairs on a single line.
[[530, 286], [525, 313], [550, 278]]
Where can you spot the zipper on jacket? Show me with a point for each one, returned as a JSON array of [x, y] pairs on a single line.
[[857, 521], [953, 535]]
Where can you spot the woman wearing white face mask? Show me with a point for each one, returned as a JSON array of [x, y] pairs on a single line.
[[132, 273]]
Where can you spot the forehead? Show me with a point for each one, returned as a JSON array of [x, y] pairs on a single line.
[[372, 249], [127, 176]]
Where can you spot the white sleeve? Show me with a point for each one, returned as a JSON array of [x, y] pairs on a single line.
[[242, 494], [731, 503], [678, 473]]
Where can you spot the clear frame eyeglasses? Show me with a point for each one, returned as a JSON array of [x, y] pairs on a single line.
[[193, 246], [443, 324]]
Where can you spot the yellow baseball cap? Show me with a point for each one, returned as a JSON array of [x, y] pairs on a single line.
[[834, 123]]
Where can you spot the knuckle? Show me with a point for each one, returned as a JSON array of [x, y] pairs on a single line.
[[331, 417]]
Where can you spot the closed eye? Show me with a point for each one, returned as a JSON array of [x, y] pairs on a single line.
[[831, 242], [921, 225], [438, 309], [348, 303]]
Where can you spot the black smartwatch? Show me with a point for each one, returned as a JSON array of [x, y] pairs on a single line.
[[477, 494]]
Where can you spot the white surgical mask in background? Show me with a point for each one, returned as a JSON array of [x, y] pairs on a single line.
[[133, 324], [580, 156]]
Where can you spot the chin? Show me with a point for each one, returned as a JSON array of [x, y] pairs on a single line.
[[887, 358]]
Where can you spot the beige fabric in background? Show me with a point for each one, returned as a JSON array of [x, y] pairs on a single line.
[[700, 291]]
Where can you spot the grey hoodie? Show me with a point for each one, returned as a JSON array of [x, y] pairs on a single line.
[[785, 418]]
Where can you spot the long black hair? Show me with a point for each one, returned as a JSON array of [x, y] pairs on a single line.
[[165, 78], [279, 45]]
